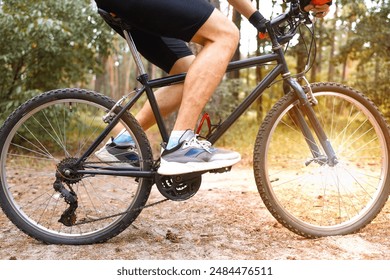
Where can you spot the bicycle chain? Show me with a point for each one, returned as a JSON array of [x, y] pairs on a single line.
[[72, 213], [112, 162], [119, 214]]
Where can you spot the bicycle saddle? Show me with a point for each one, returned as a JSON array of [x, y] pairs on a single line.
[[113, 20]]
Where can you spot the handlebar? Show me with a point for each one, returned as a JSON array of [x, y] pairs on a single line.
[[285, 26]]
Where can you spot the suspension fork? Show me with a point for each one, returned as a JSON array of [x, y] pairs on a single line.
[[298, 115], [304, 109]]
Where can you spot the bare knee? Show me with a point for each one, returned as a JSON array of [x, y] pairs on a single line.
[[227, 40], [232, 38], [220, 30]]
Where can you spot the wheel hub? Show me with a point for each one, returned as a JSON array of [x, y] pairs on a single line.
[[67, 171]]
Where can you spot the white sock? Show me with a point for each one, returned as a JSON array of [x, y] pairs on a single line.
[[123, 137], [175, 138]]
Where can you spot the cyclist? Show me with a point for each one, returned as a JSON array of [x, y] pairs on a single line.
[[160, 30]]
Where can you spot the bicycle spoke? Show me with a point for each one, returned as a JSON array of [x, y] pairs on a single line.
[[310, 197], [48, 139]]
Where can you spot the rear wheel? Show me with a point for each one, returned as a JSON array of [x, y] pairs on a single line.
[[312, 198], [48, 134]]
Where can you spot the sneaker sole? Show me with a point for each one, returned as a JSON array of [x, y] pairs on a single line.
[[175, 168], [106, 157]]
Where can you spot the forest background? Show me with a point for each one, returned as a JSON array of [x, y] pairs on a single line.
[[55, 44]]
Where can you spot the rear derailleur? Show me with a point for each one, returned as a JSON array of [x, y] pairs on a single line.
[[67, 173]]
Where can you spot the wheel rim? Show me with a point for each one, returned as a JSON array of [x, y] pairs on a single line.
[[28, 166], [330, 199]]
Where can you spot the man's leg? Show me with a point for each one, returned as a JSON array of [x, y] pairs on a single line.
[[184, 152], [219, 37], [168, 98]]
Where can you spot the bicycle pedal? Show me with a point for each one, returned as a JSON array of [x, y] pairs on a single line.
[[221, 170]]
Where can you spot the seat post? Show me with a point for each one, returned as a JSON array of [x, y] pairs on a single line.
[[134, 52]]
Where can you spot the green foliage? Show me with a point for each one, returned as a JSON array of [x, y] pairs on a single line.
[[47, 44], [226, 98], [369, 45], [52, 44]]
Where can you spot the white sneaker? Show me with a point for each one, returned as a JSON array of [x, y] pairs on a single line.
[[193, 155], [118, 154]]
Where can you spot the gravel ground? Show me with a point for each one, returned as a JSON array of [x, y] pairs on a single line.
[[225, 220]]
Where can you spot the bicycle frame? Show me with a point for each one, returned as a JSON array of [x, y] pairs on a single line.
[[59, 185], [280, 68]]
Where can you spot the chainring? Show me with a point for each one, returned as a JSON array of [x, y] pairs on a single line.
[[179, 187]]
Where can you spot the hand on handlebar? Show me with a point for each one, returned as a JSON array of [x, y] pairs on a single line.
[[320, 8], [258, 21]]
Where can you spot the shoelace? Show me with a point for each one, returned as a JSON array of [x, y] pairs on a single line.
[[194, 142]]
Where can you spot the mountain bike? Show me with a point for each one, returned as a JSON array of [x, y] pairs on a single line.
[[320, 159]]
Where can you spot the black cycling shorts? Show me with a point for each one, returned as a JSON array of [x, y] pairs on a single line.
[[161, 28]]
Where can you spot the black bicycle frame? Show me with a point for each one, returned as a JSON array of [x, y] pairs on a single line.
[[237, 65], [280, 68]]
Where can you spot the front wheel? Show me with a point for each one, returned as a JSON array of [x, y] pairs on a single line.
[[47, 135], [309, 196]]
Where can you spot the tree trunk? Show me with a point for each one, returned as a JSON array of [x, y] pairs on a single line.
[[234, 76], [259, 74], [316, 68], [237, 21], [100, 80], [301, 57], [331, 69]]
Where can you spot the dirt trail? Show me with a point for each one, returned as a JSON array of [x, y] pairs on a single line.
[[226, 219]]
